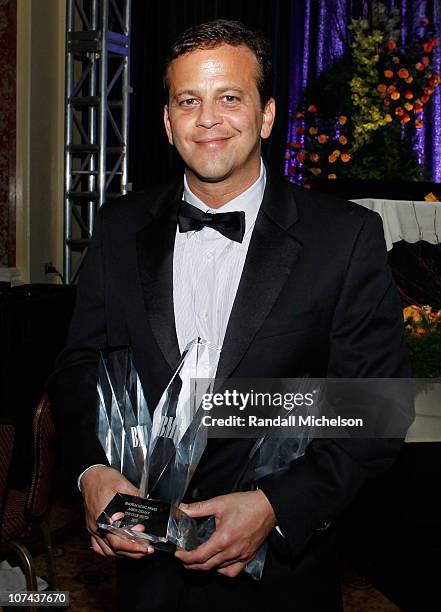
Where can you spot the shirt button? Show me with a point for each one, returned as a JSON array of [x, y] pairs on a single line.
[[209, 254], [205, 315]]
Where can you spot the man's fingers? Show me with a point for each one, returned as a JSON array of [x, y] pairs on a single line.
[[213, 546], [128, 488], [222, 559], [121, 545], [99, 485], [232, 570], [203, 508], [100, 547], [96, 547], [103, 549], [112, 545]]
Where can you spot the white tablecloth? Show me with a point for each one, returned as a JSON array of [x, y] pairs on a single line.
[[407, 220]]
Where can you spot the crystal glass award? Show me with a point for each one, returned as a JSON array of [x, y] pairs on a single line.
[[157, 455]]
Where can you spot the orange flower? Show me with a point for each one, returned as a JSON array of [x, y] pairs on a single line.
[[312, 130], [322, 138], [386, 101], [299, 130], [419, 66], [342, 119], [381, 88], [419, 320], [299, 115], [332, 176], [301, 157], [399, 111], [345, 157], [312, 108], [395, 95], [403, 73], [296, 145], [388, 118], [331, 159], [408, 95], [413, 312], [391, 44], [342, 140], [428, 46], [409, 79], [431, 197], [408, 106], [316, 171], [391, 88], [314, 157], [424, 99], [405, 119], [418, 124], [418, 108], [388, 74]]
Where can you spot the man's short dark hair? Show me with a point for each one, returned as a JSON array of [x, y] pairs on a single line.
[[212, 34]]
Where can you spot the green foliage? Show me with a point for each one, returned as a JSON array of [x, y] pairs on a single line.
[[332, 86], [383, 158], [425, 353]]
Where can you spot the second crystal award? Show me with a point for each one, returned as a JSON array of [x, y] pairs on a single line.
[[158, 455]]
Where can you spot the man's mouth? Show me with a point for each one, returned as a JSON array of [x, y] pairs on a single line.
[[213, 141]]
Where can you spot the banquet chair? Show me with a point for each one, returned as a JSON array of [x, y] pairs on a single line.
[[22, 511]]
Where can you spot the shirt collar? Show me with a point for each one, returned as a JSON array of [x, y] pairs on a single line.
[[249, 201]]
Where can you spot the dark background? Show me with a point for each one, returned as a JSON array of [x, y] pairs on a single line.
[[155, 25]]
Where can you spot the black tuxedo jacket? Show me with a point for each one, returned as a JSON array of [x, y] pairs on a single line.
[[316, 297]]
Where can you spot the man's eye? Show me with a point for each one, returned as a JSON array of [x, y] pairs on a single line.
[[188, 102], [231, 99]]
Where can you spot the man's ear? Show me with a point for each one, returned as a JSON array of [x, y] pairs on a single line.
[[167, 125], [269, 113]]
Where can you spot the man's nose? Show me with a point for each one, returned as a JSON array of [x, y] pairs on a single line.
[[209, 115]]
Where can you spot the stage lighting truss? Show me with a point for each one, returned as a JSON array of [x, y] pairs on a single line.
[[97, 118]]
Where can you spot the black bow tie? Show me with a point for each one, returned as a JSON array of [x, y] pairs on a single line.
[[231, 224]]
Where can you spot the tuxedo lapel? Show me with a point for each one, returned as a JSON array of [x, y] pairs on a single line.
[[155, 244], [271, 255]]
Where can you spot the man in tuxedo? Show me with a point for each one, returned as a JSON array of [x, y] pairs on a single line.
[[289, 282]]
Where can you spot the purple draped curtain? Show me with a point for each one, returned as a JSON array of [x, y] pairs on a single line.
[[319, 31]]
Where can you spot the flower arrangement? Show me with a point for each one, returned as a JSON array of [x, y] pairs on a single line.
[[423, 339], [421, 320], [382, 88]]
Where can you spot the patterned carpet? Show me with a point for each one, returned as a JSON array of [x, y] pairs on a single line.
[[89, 578]]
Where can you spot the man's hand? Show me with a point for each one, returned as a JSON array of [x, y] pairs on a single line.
[[243, 520], [98, 486]]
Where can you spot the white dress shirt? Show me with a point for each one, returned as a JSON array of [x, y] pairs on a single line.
[[207, 268]]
